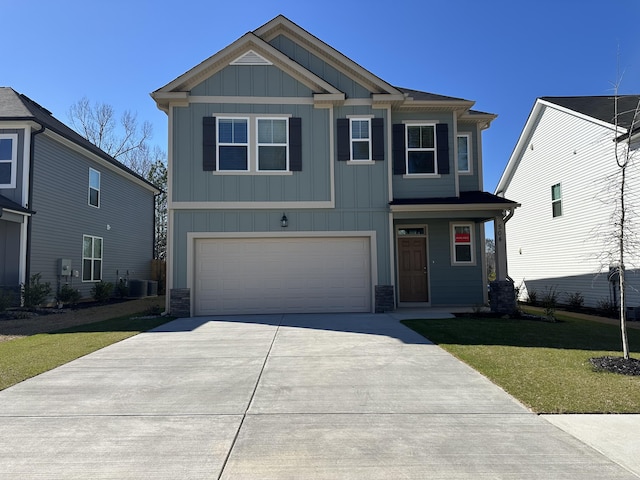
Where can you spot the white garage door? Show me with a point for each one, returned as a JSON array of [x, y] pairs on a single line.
[[282, 275]]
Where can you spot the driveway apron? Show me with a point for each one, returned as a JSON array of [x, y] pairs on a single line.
[[339, 396]]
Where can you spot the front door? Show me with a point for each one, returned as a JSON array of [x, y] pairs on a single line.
[[412, 269]]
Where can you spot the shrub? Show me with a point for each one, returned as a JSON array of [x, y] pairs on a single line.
[[575, 300], [6, 299], [532, 296], [35, 293], [122, 289], [68, 295], [101, 291], [607, 308], [550, 302]]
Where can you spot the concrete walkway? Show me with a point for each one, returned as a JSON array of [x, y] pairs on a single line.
[[280, 397]]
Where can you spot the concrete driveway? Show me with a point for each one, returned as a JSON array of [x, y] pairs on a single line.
[[280, 397]]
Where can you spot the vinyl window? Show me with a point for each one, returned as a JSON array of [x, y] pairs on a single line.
[[360, 138], [464, 153], [233, 144], [462, 243], [91, 258], [556, 200], [273, 144], [94, 188], [421, 149], [8, 160]]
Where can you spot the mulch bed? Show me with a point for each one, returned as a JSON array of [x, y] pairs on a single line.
[[620, 365]]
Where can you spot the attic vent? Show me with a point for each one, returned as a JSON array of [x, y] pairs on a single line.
[[251, 58]]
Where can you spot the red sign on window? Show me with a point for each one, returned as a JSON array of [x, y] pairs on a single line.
[[463, 238]]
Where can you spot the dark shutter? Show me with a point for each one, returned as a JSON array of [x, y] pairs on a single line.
[[442, 139], [344, 146], [377, 139], [399, 151], [295, 144], [209, 144]]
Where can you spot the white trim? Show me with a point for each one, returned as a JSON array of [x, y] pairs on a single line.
[[408, 149], [249, 205], [250, 58], [220, 144], [468, 136], [360, 162], [13, 161], [472, 243], [170, 233], [483, 258], [193, 236], [420, 175], [358, 140], [480, 160], [92, 258], [285, 145], [99, 189], [251, 100], [22, 262]]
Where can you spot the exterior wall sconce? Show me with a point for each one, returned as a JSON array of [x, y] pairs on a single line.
[[284, 221]]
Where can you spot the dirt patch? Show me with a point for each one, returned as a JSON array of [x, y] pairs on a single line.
[[57, 319]]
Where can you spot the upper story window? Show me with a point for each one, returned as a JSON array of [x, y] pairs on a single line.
[[556, 200], [273, 144], [8, 159], [252, 144], [233, 144], [360, 132], [421, 149], [94, 188], [91, 258], [462, 243], [464, 153]]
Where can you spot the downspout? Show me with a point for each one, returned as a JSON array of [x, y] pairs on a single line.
[[30, 200], [505, 219]]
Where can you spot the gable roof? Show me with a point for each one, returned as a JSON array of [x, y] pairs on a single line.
[[16, 106], [600, 109]]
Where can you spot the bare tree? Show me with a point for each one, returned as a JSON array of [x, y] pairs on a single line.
[[128, 142], [490, 255]]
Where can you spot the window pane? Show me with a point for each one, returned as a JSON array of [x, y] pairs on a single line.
[[463, 253], [359, 129], [463, 229], [426, 134], [87, 247], [94, 179], [239, 131], [557, 209], [279, 131], [97, 248], [225, 131], [233, 158], [86, 270], [265, 131], [421, 162], [6, 145], [272, 158], [360, 151], [555, 192], [97, 270], [93, 197], [5, 173], [463, 154], [413, 137]]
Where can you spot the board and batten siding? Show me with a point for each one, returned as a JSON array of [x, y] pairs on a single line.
[[63, 216], [313, 63], [254, 222], [192, 184], [469, 182], [566, 252]]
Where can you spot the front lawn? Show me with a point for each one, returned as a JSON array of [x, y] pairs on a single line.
[[544, 365], [27, 357]]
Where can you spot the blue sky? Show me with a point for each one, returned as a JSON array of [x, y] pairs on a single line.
[[501, 54]]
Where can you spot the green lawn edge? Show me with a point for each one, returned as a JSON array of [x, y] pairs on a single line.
[[544, 365], [27, 357]]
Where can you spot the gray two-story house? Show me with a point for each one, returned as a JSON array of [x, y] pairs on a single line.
[[301, 182], [68, 211]]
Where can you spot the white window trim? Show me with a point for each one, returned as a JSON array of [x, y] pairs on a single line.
[[99, 189], [92, 258], [13, 161], [359, 140], [469, 171], [471, 242], [434, 149], [258, 145], [226, 144], [557, 200]]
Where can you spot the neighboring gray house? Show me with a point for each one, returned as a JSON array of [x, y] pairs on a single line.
[[301, 182], [68, 211], [561, 170]]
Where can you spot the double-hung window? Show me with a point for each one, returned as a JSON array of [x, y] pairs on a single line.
[[556, 200], [233, 144], [8, 159], [464, 153], [421, 149], [273, 146], [462, 243], [360, 133], [91, 258], [94, 188]]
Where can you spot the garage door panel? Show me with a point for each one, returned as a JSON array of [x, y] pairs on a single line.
[[282, 275]]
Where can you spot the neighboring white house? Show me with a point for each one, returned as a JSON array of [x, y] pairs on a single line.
[[562, 171]]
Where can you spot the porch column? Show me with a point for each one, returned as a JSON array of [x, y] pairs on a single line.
[[501, 248]]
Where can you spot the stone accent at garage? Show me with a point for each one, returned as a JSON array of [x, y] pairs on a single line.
[[384, 298], [180, 302], [502, 296]]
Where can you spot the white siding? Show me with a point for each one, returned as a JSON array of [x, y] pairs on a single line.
[[565, 252]]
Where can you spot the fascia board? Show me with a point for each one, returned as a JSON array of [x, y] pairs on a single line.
[[282, 25], [470, 207], [249, 41]]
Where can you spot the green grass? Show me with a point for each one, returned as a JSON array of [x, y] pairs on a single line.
[[29, 356], [544, 365]]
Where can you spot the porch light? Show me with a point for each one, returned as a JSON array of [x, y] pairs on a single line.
[[284, 221]]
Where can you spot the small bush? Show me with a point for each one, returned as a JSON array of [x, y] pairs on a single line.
[[6, 299], [550, 302], [607, 308], [575, 300], [532, 296], [101, 291], [122, 289], [68, 295], [35, 293]]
